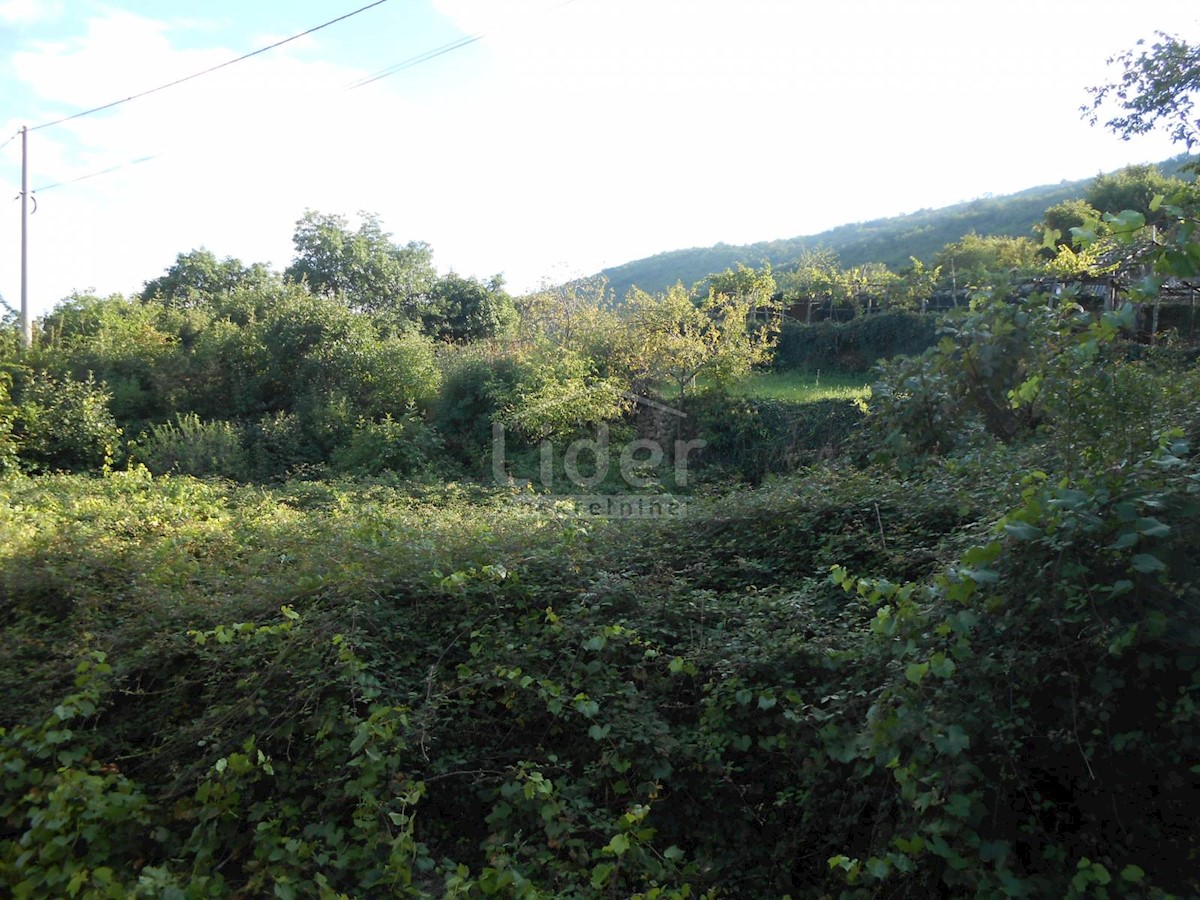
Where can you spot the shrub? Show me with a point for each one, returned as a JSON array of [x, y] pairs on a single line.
[[190, 446], [404, 446], [752, 438], [854, 346], [64, 425], [278, 445]]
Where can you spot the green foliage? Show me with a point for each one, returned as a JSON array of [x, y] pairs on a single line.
[[198, 277], [557, 393], [1001, 369], [364, 266], [853, 346], [580, 316], [473, 390], [1134, 188], [63, 425], [1057, 619], [750, 438], [1155, 88], [674, 338], [529, 725], [466, 309], [978, 261], [404, 446], [1056, 226], [534, 394], [191, 446], [8, 413]]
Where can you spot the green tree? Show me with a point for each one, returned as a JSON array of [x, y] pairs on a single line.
[[755, 287], [982, 259], [197, 277], [676, 339], [1155, 88], [1057, 222], [365, 267], [64, 425], [817, 279], [467, 309], [1135, 187], [579, 315]]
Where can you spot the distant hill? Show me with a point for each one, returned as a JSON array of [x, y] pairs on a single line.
[[891, 241]]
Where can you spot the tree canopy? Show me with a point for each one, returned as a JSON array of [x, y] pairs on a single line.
[[1155, 89], [365, 266]]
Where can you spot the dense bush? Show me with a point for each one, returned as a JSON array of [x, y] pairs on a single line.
[[190, 446], [752, 438], [403, 446], [853, 346], [63, 425]]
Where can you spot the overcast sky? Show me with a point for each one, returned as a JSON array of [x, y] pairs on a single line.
[[572, 136]]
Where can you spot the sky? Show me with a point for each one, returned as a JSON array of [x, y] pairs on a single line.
[[569, 137]]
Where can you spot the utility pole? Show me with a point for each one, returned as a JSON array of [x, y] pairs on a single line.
[[26, 325]]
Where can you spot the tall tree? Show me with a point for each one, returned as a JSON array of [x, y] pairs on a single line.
[[365, 267], [197, 277], [1135, 187], [467, 309]]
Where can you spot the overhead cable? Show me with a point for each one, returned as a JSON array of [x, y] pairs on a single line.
[[194, 75]]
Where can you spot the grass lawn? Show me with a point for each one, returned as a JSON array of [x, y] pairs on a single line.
[[805, 387]]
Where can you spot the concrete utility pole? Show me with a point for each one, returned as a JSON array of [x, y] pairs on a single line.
[[26, 324]]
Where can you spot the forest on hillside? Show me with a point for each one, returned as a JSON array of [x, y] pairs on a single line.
[[815, 579], [894, 242]]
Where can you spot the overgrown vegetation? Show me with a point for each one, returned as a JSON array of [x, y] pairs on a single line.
[[292, 603]]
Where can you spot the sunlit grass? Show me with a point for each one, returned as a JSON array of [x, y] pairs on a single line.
[[805, 387]]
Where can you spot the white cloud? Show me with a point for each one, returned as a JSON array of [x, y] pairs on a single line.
[[29, 12]]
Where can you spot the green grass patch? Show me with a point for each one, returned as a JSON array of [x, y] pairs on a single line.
[[805, 387]]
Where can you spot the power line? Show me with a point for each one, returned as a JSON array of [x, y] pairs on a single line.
[[383, 73], [417, 60], [132, 162], [178, 81], [15, 135], [433, 54]]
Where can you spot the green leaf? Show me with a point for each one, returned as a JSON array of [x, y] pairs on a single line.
[[1147, 563], [953, 742], [879, 868], [1132, 873], [941, 665], [916, 671], [672, 853], [1125, 540], [601, 873], [959, 806], [993, 851], [1152, 527], [1023, 531], [618, 845]]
